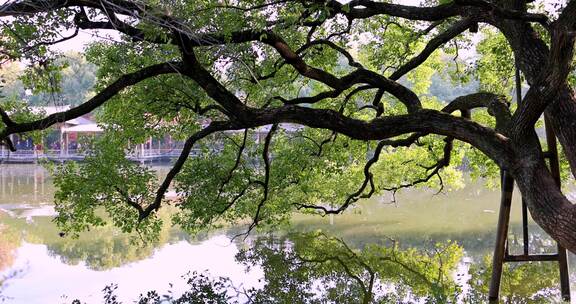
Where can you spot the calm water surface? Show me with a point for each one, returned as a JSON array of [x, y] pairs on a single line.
[[40, 267]]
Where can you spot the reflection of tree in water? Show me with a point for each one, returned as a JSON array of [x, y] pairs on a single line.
[[9, 242], [105, 247], [101, 248], [315, 268], [101, 253], [202, 290], [539, 242], [476, 243], [529, 282], [313, 265], [522, 283]]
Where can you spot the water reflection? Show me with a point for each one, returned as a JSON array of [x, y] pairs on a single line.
[[9, 242], [47, 279], [532, 282], [316, 268], [30, 246], [24, 185]]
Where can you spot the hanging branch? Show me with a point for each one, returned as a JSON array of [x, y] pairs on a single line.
[[265, 184], [368, 177], [236, 164], [432, 170]]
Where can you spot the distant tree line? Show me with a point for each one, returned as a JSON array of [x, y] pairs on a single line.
[[69, 86]]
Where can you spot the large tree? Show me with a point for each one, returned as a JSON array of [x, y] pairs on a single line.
[[353, 74]]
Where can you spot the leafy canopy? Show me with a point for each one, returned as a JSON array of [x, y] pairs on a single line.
[[238, 82]]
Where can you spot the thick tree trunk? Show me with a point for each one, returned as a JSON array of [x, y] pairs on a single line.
[[547, 205], [532, 57], [562, 113]]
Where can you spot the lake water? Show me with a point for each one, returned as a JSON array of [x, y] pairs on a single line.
[[39, 266]]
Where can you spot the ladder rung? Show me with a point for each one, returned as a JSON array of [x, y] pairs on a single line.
[[531, 258]]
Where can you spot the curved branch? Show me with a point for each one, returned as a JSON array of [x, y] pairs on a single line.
[[20, 8], [492, 143], [454, 30], [436, 167], [177, 167], [341, 50], [129, 200], [187, 43], [197, 72], [503, 13], [351, 94], [243, 9], [29, 7], [110, 91], [496, 104], [360, 9], [311, 99], [360, 75], [368, 177], [6, 118]]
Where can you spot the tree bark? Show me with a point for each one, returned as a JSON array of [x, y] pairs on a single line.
[[547, 205], [532, 56]]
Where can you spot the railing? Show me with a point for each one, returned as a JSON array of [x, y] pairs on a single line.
[[19, 154], [74, 154]]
